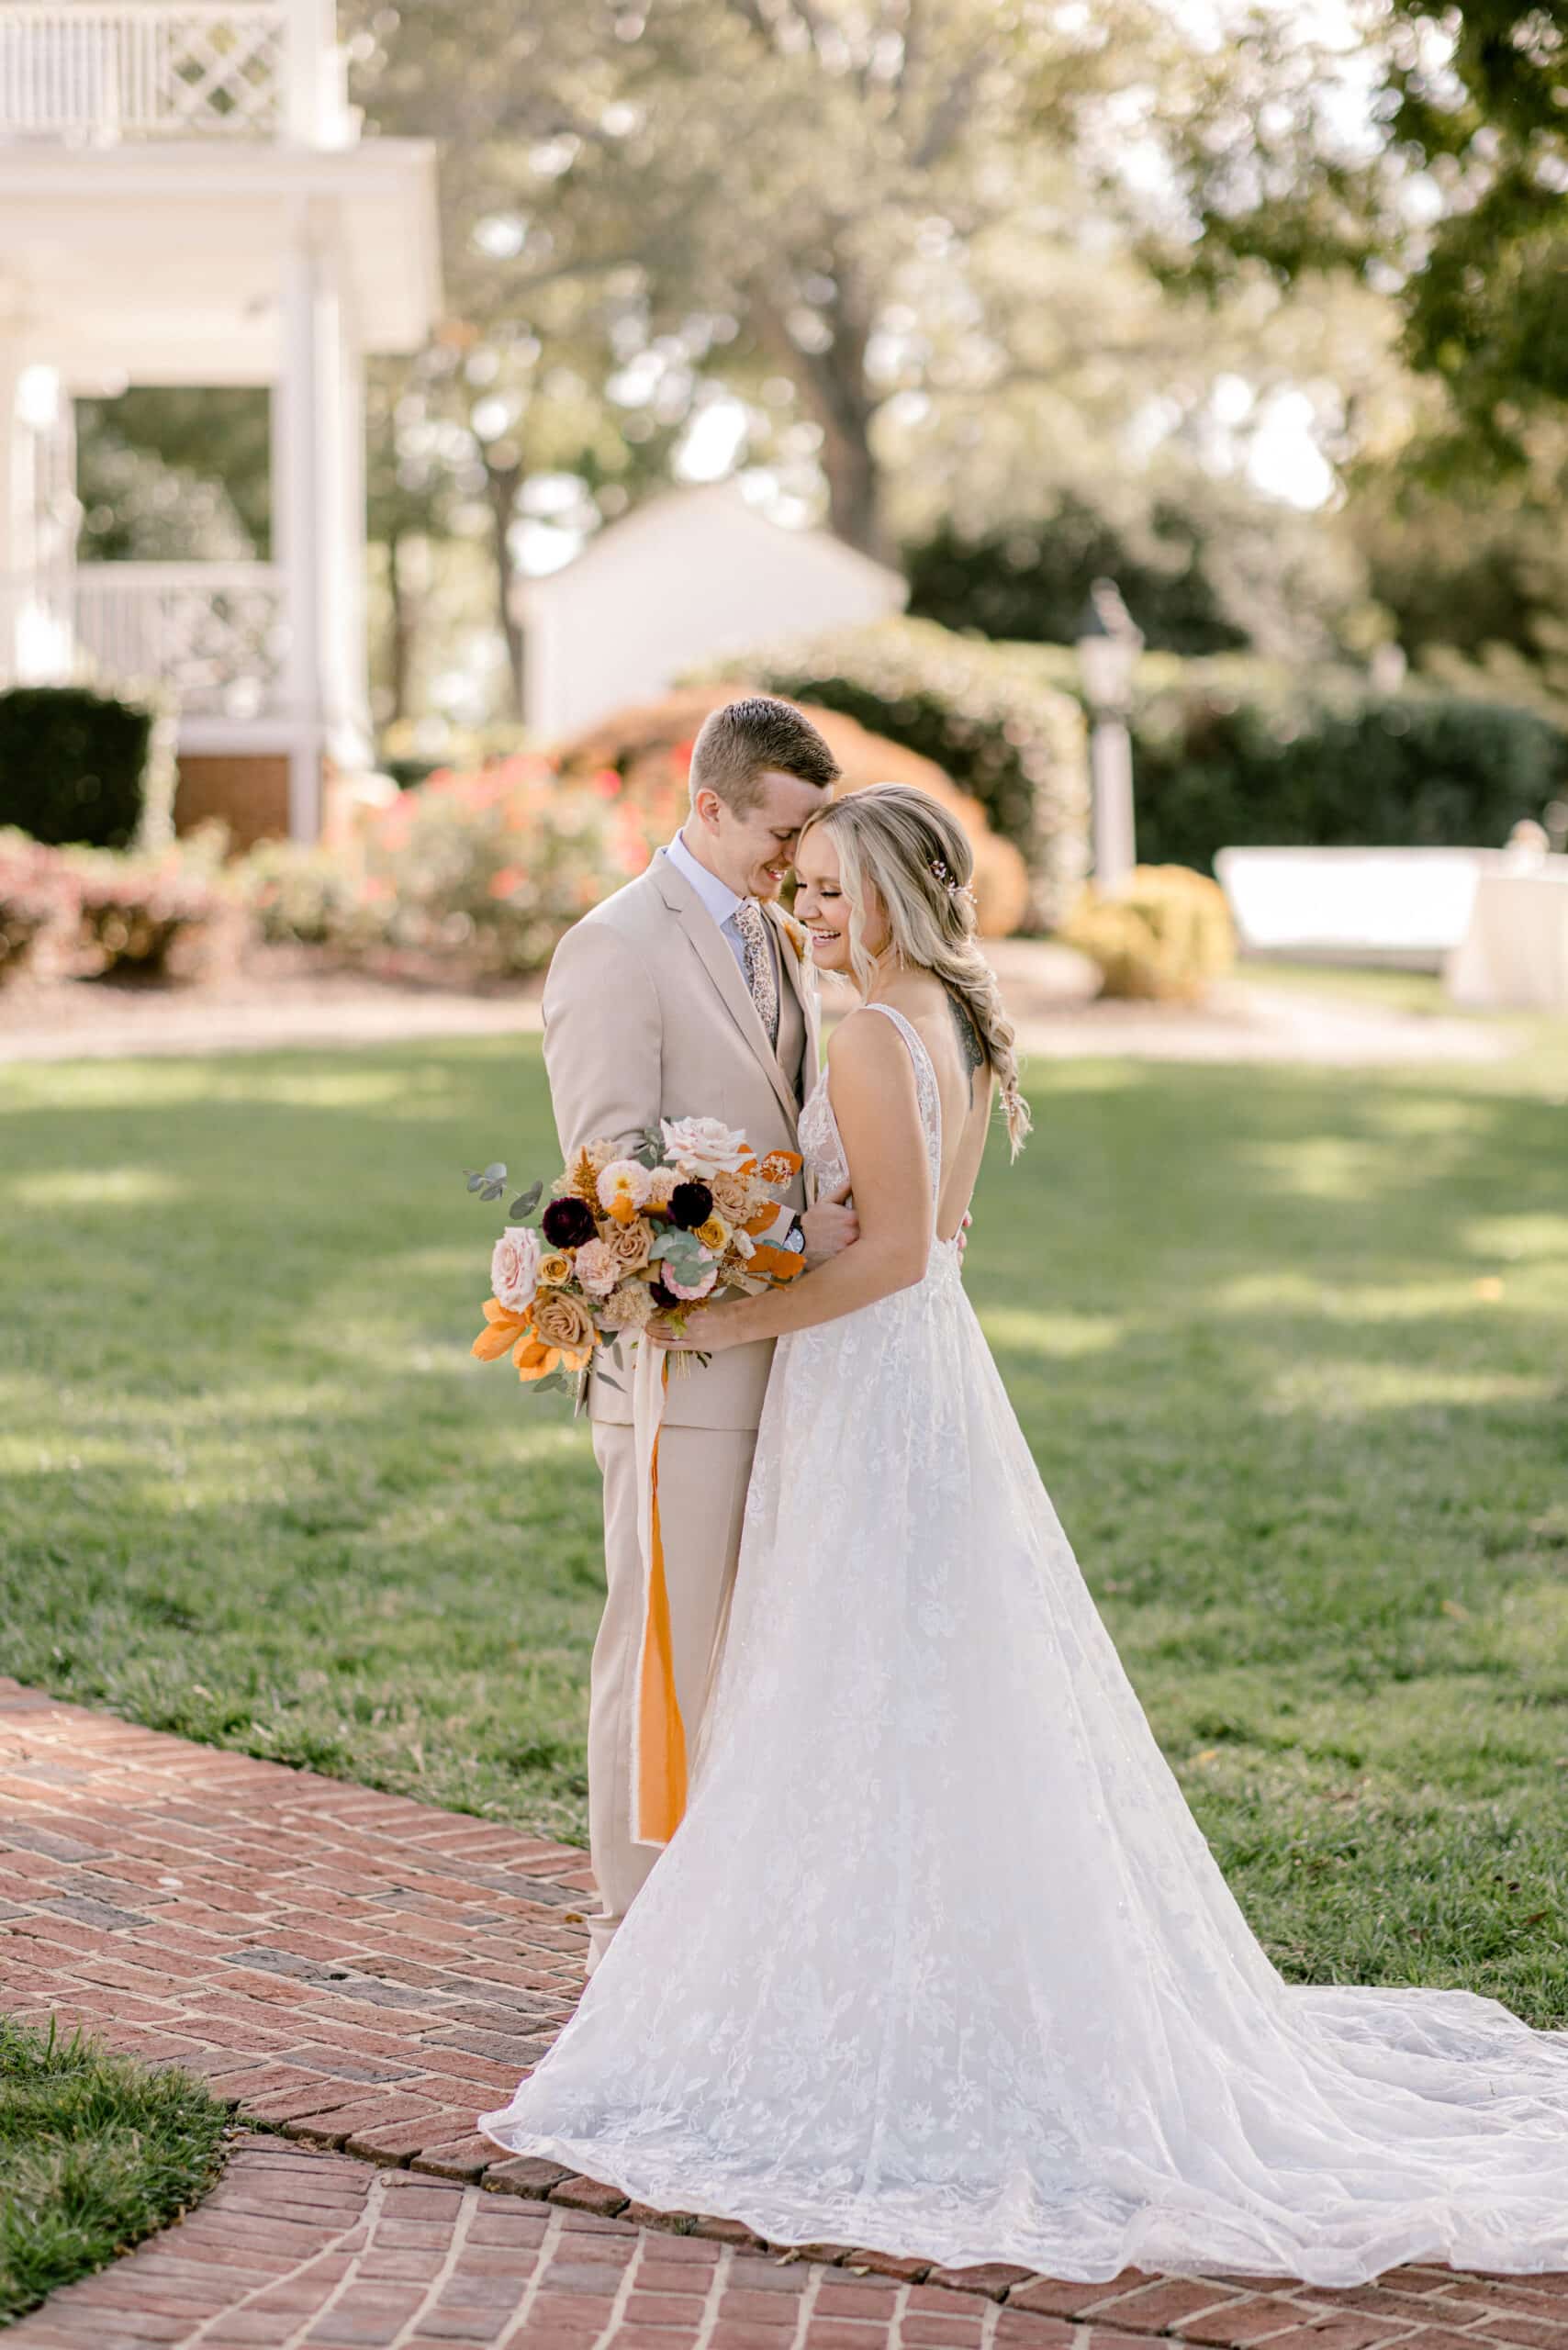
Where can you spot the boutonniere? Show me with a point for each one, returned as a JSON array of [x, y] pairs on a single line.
[[795, 932]]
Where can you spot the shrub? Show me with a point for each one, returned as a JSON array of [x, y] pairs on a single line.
[[494, 866], [487, 869], [1226, 756], [33, 900], [985, 713], [1165, 936], [641, 757], [76, 767], [301, 896], [139, 917]]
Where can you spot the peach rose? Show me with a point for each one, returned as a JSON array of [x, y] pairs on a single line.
[[731, 1195], [691, 1290], [597, 1268], [561, 1320], [514, 1266], [629, 1245]]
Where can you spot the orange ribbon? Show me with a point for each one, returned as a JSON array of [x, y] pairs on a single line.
[[658, 1734]]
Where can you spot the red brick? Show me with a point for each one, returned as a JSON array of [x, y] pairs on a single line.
[[1164, 2308], [665, 2308], [1239, 2323], [589, 2195], [993, 2278], [526, 2174], [888, 2264], [467, 2158]]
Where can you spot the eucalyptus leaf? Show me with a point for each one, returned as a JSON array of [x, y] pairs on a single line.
[[475, 1182], [496, 1171], [492, 1190], [605, 1380], [551, 1384]]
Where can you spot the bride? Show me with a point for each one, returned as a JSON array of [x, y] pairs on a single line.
[[938, 1961]]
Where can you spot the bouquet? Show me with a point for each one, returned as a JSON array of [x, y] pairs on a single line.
[[626, 1236]]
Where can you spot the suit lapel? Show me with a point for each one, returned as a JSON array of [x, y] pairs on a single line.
[[794, 967], [712, 952]]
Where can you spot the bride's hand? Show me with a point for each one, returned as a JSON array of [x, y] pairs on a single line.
[[705, 1330]]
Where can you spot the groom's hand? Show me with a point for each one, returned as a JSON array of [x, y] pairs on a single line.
[[831, 1225]]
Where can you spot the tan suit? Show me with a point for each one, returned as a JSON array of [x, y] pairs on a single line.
[[646, 1016]]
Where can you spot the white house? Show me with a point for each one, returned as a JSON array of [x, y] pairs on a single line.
[[687, 578], [184, 199]]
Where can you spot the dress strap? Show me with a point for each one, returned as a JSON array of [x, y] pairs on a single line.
[[925, 1089]]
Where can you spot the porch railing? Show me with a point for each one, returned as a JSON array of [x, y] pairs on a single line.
[[210, 634], [84, 72]]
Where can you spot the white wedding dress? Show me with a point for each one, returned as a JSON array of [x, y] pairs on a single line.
[[938, 1961]]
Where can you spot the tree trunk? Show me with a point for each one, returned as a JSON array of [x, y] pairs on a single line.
[[832, 386], [402, 648], [502, 485]]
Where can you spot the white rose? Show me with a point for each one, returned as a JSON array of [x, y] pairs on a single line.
[[703, 1146], [514, 1266]]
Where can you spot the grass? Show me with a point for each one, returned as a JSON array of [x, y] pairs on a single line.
[[94, 2154], [1290, 1346]]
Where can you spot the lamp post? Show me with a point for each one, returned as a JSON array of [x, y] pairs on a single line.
[[1109, 643]]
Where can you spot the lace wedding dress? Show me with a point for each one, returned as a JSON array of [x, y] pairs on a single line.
[[938, 1961]]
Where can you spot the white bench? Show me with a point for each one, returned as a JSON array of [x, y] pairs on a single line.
[[1409, 907]]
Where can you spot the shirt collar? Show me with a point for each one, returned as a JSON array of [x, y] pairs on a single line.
[[717, 896]]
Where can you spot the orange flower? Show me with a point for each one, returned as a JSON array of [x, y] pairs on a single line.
[[779, 1166], [535, 1360], [506, 1330]]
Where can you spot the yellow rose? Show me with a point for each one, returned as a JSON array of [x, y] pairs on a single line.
[[713, 1234], [555, 1271]]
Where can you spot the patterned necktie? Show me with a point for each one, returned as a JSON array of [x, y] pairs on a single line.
[[759, 972]]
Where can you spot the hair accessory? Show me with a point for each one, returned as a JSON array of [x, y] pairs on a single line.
[[939, 872]]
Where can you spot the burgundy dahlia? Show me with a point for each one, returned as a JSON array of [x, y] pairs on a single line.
[[568, 1223], [691, 1204]]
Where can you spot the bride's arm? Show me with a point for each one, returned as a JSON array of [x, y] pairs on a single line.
[[878, 1113]]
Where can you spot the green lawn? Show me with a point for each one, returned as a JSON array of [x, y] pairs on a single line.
[[95, 2153], [1291, 1346]]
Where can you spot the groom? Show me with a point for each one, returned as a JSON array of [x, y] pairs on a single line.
[[687, 994]]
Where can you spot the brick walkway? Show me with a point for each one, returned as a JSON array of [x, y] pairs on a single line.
[[364, 1974]]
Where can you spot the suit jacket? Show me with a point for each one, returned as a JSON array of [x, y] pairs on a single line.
[[646, 1016]]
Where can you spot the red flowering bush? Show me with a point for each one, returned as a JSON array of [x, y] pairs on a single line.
[[34, 897], [486, 867], [141, 917], [640, 758]]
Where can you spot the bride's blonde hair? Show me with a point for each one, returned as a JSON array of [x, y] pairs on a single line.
[[902, 844]]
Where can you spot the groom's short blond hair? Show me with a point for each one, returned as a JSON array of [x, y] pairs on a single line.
[[742, 743]]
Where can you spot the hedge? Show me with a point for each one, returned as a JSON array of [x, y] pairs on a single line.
[[75, 766], [984, 712], [1222, 759], [1227, 751]]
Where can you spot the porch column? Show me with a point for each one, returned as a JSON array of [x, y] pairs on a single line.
[[297, 533], [350, 741], [11, 470]]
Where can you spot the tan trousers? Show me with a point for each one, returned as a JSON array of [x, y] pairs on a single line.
[[704, 1475]]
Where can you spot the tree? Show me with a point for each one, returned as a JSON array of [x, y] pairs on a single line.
[[1442, 182], [845, 214]]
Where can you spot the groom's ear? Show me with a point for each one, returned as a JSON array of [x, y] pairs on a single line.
[[706, 806]]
